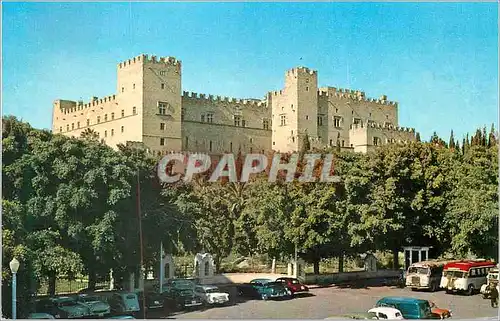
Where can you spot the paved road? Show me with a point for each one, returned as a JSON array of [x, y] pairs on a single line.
[[334, 301]]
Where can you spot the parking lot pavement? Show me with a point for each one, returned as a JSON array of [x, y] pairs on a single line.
[[334, 301]]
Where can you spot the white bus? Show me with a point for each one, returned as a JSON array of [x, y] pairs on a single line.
[[467, 275]]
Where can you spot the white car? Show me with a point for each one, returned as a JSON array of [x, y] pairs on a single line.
[[211, 294], [387, 313]]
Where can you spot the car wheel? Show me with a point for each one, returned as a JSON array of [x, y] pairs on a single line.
[[470, 290], [264, 297]]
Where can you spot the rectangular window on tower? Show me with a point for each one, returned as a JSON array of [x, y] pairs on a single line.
[[162, 141], [237, 120], [336, 121], [282, 120], [162, 126], [210, 118]]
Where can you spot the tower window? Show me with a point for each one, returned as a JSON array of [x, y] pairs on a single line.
[[243, 123], [112, 132], [202, 118], [231, 147], [282, 120], [162, 141], [187, 141], [133, 86], [307, 117], [210, 118], [162, 108], [112, 116], [162, 72], [356, 121], [98, 119], [251, 140], [320, 120], [123, 113], [78, 125], [88, 122], [60, 129], [336, 121], [307, 88], [162, 126], [105, 133], [375, 141], [123, 89], [162, 86], [134, 110], [123, 129], [265, 123], [343, 143], [106, 117], [210, 146], [237, 120], [331, 142], [72, 126]]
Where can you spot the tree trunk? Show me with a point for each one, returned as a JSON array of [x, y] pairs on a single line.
[[395, 257], [92, 280], [52, 284], [341, 262], [316, 266]]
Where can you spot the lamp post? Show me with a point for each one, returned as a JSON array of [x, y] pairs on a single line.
[[14, 267]]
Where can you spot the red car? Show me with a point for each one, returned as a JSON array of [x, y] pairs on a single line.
[[293, 285]]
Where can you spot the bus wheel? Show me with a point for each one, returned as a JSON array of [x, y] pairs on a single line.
[[470, 290]]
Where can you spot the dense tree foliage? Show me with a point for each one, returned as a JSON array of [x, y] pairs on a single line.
[[73, 206]]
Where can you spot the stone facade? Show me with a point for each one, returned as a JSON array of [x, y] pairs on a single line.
[[150, 108]]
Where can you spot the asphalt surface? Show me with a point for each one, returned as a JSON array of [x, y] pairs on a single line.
[[325, 302]]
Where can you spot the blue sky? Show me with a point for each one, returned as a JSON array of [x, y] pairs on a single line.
[[438, 60]]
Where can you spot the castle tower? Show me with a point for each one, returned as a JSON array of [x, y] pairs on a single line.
[[294, 110], [151, 86]]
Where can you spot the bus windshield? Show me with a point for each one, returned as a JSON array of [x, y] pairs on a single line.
[[455, 274], [418, 270]]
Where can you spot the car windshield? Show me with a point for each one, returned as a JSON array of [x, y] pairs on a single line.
[[425, 308], [90, 298], [213, 290], [418, 270], [183, 285], [455, 274], [66, 303]]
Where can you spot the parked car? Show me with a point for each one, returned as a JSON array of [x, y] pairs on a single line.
[[38, 315], [122, 302], [68, 308], [442, 313], [264, 289], [492, 280], [97, 307], [293, 285], [411, 308], [121, 317], [210, 294], [179, 293], [47, 306], [386, 313], [154, 300]]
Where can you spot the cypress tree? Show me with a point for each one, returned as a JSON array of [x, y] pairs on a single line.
[[451, 144], [418, 137], [492, 139]]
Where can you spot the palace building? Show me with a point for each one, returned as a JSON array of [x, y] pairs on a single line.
[[150, 108]]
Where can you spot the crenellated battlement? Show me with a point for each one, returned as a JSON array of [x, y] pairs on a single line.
[[354, 95], [297, 70], [373, 125], [94, 102], [170, 61], [220, 99]]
